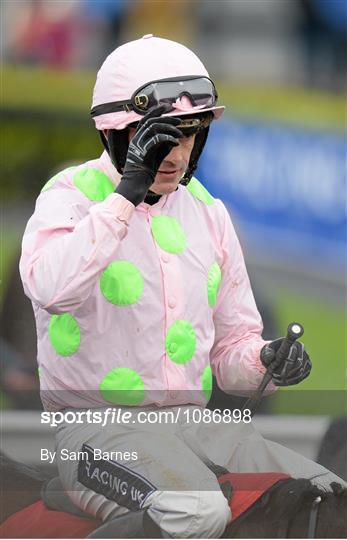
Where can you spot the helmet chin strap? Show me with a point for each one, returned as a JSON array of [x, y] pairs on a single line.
[[116, 145], [200, 141], [104, 141]]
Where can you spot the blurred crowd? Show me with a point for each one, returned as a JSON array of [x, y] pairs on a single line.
[[288, 41], [64, 35]]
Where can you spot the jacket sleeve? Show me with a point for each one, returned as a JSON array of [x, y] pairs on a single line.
[[238, 326], [68, 241]]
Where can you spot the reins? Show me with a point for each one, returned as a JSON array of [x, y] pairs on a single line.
[[313, 518], [283, 530]]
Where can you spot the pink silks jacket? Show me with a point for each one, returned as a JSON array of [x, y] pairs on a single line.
[[137, 306]]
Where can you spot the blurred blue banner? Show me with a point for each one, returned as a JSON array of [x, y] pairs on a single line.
[[283, 185]]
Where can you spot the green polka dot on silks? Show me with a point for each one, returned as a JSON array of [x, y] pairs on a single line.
[[121, 283], [213, 283], [206, 382], [169, 234], [180, 342], [64, 334], [95, 184], [122, 386], [199, 191]]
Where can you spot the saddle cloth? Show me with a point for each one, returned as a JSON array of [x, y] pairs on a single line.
[[37, 521]]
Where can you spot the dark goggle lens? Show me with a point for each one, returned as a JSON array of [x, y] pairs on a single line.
[[189, 126], [200, 91]]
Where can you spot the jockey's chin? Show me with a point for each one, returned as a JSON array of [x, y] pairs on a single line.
[[166, 181]]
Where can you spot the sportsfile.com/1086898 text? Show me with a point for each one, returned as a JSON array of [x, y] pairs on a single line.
[[112, 415]]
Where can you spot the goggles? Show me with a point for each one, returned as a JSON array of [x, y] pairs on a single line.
[[200, 90], [190, 126]]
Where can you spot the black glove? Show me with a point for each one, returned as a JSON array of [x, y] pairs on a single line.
[[153, 140], [294, 369]]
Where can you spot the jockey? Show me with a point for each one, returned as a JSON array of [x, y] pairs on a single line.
[[140, 293]]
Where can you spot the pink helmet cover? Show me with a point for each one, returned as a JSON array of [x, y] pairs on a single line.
[[136, 63]]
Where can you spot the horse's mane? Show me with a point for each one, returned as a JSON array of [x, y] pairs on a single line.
[[17, 476], [285, 499], [286, 504], [21, 485]]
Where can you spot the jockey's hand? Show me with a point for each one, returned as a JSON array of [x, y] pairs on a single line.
[[154, 138], [294, 369]]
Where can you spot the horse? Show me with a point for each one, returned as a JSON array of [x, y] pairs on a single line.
[[291, 508], [294, 508]]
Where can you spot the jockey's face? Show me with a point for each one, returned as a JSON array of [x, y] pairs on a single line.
[[173, 166]]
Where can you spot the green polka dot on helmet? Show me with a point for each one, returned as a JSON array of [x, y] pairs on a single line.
[[213, 283], [121, 283], [122, 386], [169, 234], [180, 342], [199, 191], [64, 334], [95, 184], [206, 382]]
